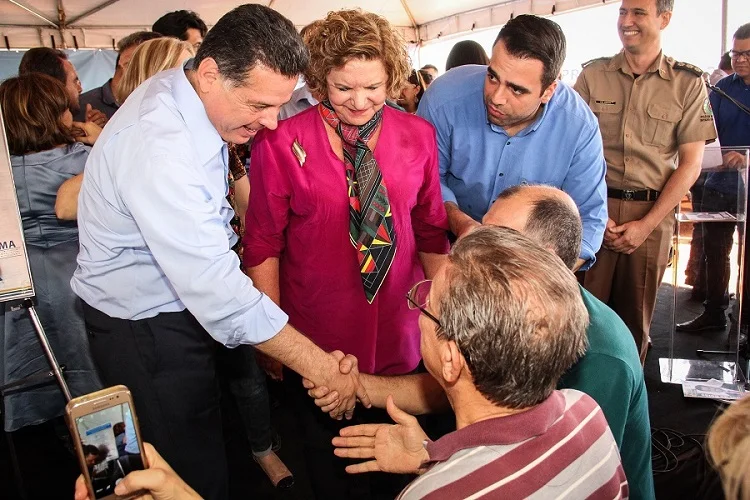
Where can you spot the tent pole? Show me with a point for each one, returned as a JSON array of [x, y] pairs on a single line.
[[61, 17], [724, 15]]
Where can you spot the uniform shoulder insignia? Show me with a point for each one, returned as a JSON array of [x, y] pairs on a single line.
[[688, 67], [603, 59]]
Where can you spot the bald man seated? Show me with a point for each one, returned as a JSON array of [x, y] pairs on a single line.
[[610, 370]]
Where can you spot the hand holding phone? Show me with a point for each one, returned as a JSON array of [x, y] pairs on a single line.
[[105, 432], [158, 482]]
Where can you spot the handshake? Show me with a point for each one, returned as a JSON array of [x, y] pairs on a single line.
[[339, 394]]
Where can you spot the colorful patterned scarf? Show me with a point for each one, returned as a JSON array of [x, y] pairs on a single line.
[[371, 228]]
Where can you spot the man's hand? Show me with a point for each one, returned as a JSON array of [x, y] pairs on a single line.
[[733, 159], [326, 399], [158, 482], [95, 116], [609, 236], [86, 132], [630, 236], [346, 386], [395, 448]]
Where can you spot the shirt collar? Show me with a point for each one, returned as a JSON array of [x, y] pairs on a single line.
[[208, 141], [303, 94], [108, 97], [661, 65], [501, 430], [736, 80]]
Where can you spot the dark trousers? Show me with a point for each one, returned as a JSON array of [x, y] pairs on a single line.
[[167, 362], [717, 245], [247, 383], [328, 478]]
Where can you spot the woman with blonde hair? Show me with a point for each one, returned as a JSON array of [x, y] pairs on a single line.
[[345, 215], [729, 449], [150, 58]]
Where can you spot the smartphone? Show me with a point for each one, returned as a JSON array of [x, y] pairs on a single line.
[[106, 436]]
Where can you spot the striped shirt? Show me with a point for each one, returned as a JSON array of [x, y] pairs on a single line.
[[561, 448]]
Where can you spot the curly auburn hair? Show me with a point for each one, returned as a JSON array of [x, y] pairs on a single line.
[[353, 34]]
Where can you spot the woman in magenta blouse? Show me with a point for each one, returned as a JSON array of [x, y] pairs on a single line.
[[345, 211]]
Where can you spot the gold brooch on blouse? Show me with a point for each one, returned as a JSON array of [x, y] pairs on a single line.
[[299, 153]]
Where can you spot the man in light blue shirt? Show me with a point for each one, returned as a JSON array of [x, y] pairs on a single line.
[[156, 271], [512, 123]]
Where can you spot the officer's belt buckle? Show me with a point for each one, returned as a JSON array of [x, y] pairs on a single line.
[[627, 194]]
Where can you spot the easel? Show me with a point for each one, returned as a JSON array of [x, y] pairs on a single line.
[[17, 289]]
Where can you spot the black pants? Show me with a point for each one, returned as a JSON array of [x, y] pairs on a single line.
[[328, 478], [717, 245], [167, 362], [247, 383]]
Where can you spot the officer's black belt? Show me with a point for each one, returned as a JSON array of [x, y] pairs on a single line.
[[633, 194]]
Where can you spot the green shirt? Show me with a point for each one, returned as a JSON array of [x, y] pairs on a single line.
[[611, 373]]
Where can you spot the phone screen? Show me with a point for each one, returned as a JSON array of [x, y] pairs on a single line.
[[110, 447]]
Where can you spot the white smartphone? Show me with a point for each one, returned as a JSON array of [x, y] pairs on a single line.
[[105, 432]]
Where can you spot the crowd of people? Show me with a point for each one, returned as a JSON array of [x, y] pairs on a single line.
[[486, 245]]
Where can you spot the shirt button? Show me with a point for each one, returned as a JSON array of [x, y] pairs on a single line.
[[507, 143], [501, 174], [627, 159]]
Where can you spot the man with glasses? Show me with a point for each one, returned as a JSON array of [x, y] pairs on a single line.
[[720, 191], [652, 110], [156, 271], [501, 322], [550, 218]]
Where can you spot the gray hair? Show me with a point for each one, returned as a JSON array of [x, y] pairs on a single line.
[[663, 6], [515, 313]]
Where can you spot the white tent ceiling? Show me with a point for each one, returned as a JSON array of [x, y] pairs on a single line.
[[100, 23]]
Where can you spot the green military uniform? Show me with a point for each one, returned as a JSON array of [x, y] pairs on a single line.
[[643, 121]]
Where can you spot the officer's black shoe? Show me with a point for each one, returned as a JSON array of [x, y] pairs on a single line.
[[705, 322]]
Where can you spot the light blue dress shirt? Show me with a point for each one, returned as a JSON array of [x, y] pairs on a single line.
[[478, 160], [153, 219]]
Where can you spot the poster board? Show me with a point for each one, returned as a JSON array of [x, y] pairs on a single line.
[[15, 274]]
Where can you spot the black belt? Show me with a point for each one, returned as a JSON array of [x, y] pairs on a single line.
[[633, 194]]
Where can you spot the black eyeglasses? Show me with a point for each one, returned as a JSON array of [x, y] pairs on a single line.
[[419, 298], [736, 54]]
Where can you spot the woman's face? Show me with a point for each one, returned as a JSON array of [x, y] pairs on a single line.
[[67, 118], [357, 90], [409, 93]]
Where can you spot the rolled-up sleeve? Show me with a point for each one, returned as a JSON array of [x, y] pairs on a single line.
[[182, 225], [268, 210], [585, 183], [428, 110], [429, 220]]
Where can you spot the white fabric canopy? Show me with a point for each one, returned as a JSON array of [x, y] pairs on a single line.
[[101, 23]]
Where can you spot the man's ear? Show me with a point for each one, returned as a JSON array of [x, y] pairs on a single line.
[[666, 17], [452, 361], [207, 74], [549, 92]]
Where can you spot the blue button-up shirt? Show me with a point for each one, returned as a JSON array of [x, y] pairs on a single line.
[[479, 160], [153, 219], [732, 126]]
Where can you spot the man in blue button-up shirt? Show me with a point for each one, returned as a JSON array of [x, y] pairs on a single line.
[[721, 189], [155, 268], [514, 123]]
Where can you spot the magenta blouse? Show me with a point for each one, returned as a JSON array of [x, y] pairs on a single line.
[[300, 214]]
